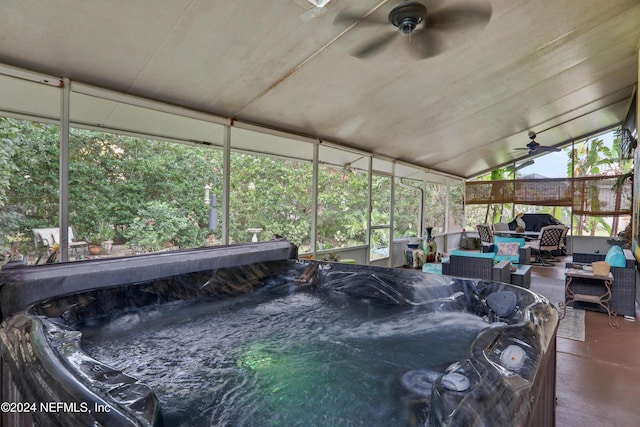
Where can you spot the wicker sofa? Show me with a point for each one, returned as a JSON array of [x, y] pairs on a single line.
[[478, 266], [623, 290]]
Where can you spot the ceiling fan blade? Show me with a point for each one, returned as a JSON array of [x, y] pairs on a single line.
[[375, 45], [425, 43], [350, 18], [457, 17], [543, 148]]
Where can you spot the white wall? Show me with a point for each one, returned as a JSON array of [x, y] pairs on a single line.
[[587, 244]]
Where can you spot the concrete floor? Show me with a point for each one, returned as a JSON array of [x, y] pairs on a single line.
[[598, 380]]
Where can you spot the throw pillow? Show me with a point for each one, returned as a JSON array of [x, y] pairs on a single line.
[[615, 257], [500, 239], [508, 248]]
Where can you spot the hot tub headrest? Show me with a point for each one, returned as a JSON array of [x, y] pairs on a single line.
[[22, 287], [502, 302]]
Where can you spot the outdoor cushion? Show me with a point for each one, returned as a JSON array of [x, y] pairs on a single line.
[[615, 257], [514, 256], [515, 259], [473, 254], [500, 239], [508, 251], [508, 248], [432, 268]]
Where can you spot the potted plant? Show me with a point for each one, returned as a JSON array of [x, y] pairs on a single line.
[[331, 257], [106, 233], [95, 245], [12, 251]]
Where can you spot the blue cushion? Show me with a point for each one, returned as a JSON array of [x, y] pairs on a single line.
[[515, 259], [473, 254], [500, 239], [432, 268], [615, 257]]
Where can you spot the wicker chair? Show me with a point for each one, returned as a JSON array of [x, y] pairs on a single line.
[[486, 236], [550, 239], [473, 267], [562, 246], [623, 290]]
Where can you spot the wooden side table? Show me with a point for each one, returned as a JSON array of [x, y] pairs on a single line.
[[603, 299]]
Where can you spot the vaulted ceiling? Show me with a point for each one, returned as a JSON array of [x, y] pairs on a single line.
[[563, 69]]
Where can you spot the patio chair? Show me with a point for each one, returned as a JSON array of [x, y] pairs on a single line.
[[563, 244], [562, 247], [47, 237], [486, 237], [550, 238]]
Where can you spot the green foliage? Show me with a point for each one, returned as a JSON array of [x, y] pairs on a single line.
[[33, 175], [8, 142], [105, 231], [149, 192], [406, 209], [590, 158], [159, 225], [342, 206], [272, 194]]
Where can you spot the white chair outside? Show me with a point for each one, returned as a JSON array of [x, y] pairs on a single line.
[[47, 237]]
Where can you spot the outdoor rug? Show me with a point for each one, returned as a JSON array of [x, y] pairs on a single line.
[[572, 326]]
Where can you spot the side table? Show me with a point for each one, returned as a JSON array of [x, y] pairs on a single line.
[[522, 276], [600, 298]]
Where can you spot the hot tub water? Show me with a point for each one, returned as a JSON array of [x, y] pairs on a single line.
[[267, 359]]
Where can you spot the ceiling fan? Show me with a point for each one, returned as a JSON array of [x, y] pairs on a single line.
[[424, 29], [534, 147]]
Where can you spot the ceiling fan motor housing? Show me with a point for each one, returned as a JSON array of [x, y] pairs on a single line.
[[407, 15]]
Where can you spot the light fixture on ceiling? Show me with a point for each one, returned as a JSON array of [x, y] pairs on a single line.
[[319, 9]]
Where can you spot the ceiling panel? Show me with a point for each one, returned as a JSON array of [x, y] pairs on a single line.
[[560, 68]]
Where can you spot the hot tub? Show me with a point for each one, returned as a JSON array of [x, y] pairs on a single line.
[[249, 335]]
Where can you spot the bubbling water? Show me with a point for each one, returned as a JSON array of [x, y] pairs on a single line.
[[274, 358]]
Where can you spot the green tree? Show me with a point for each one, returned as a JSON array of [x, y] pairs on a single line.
[[272, 194], [159, 225], [30, 186], [122, 181], [593, 158]]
